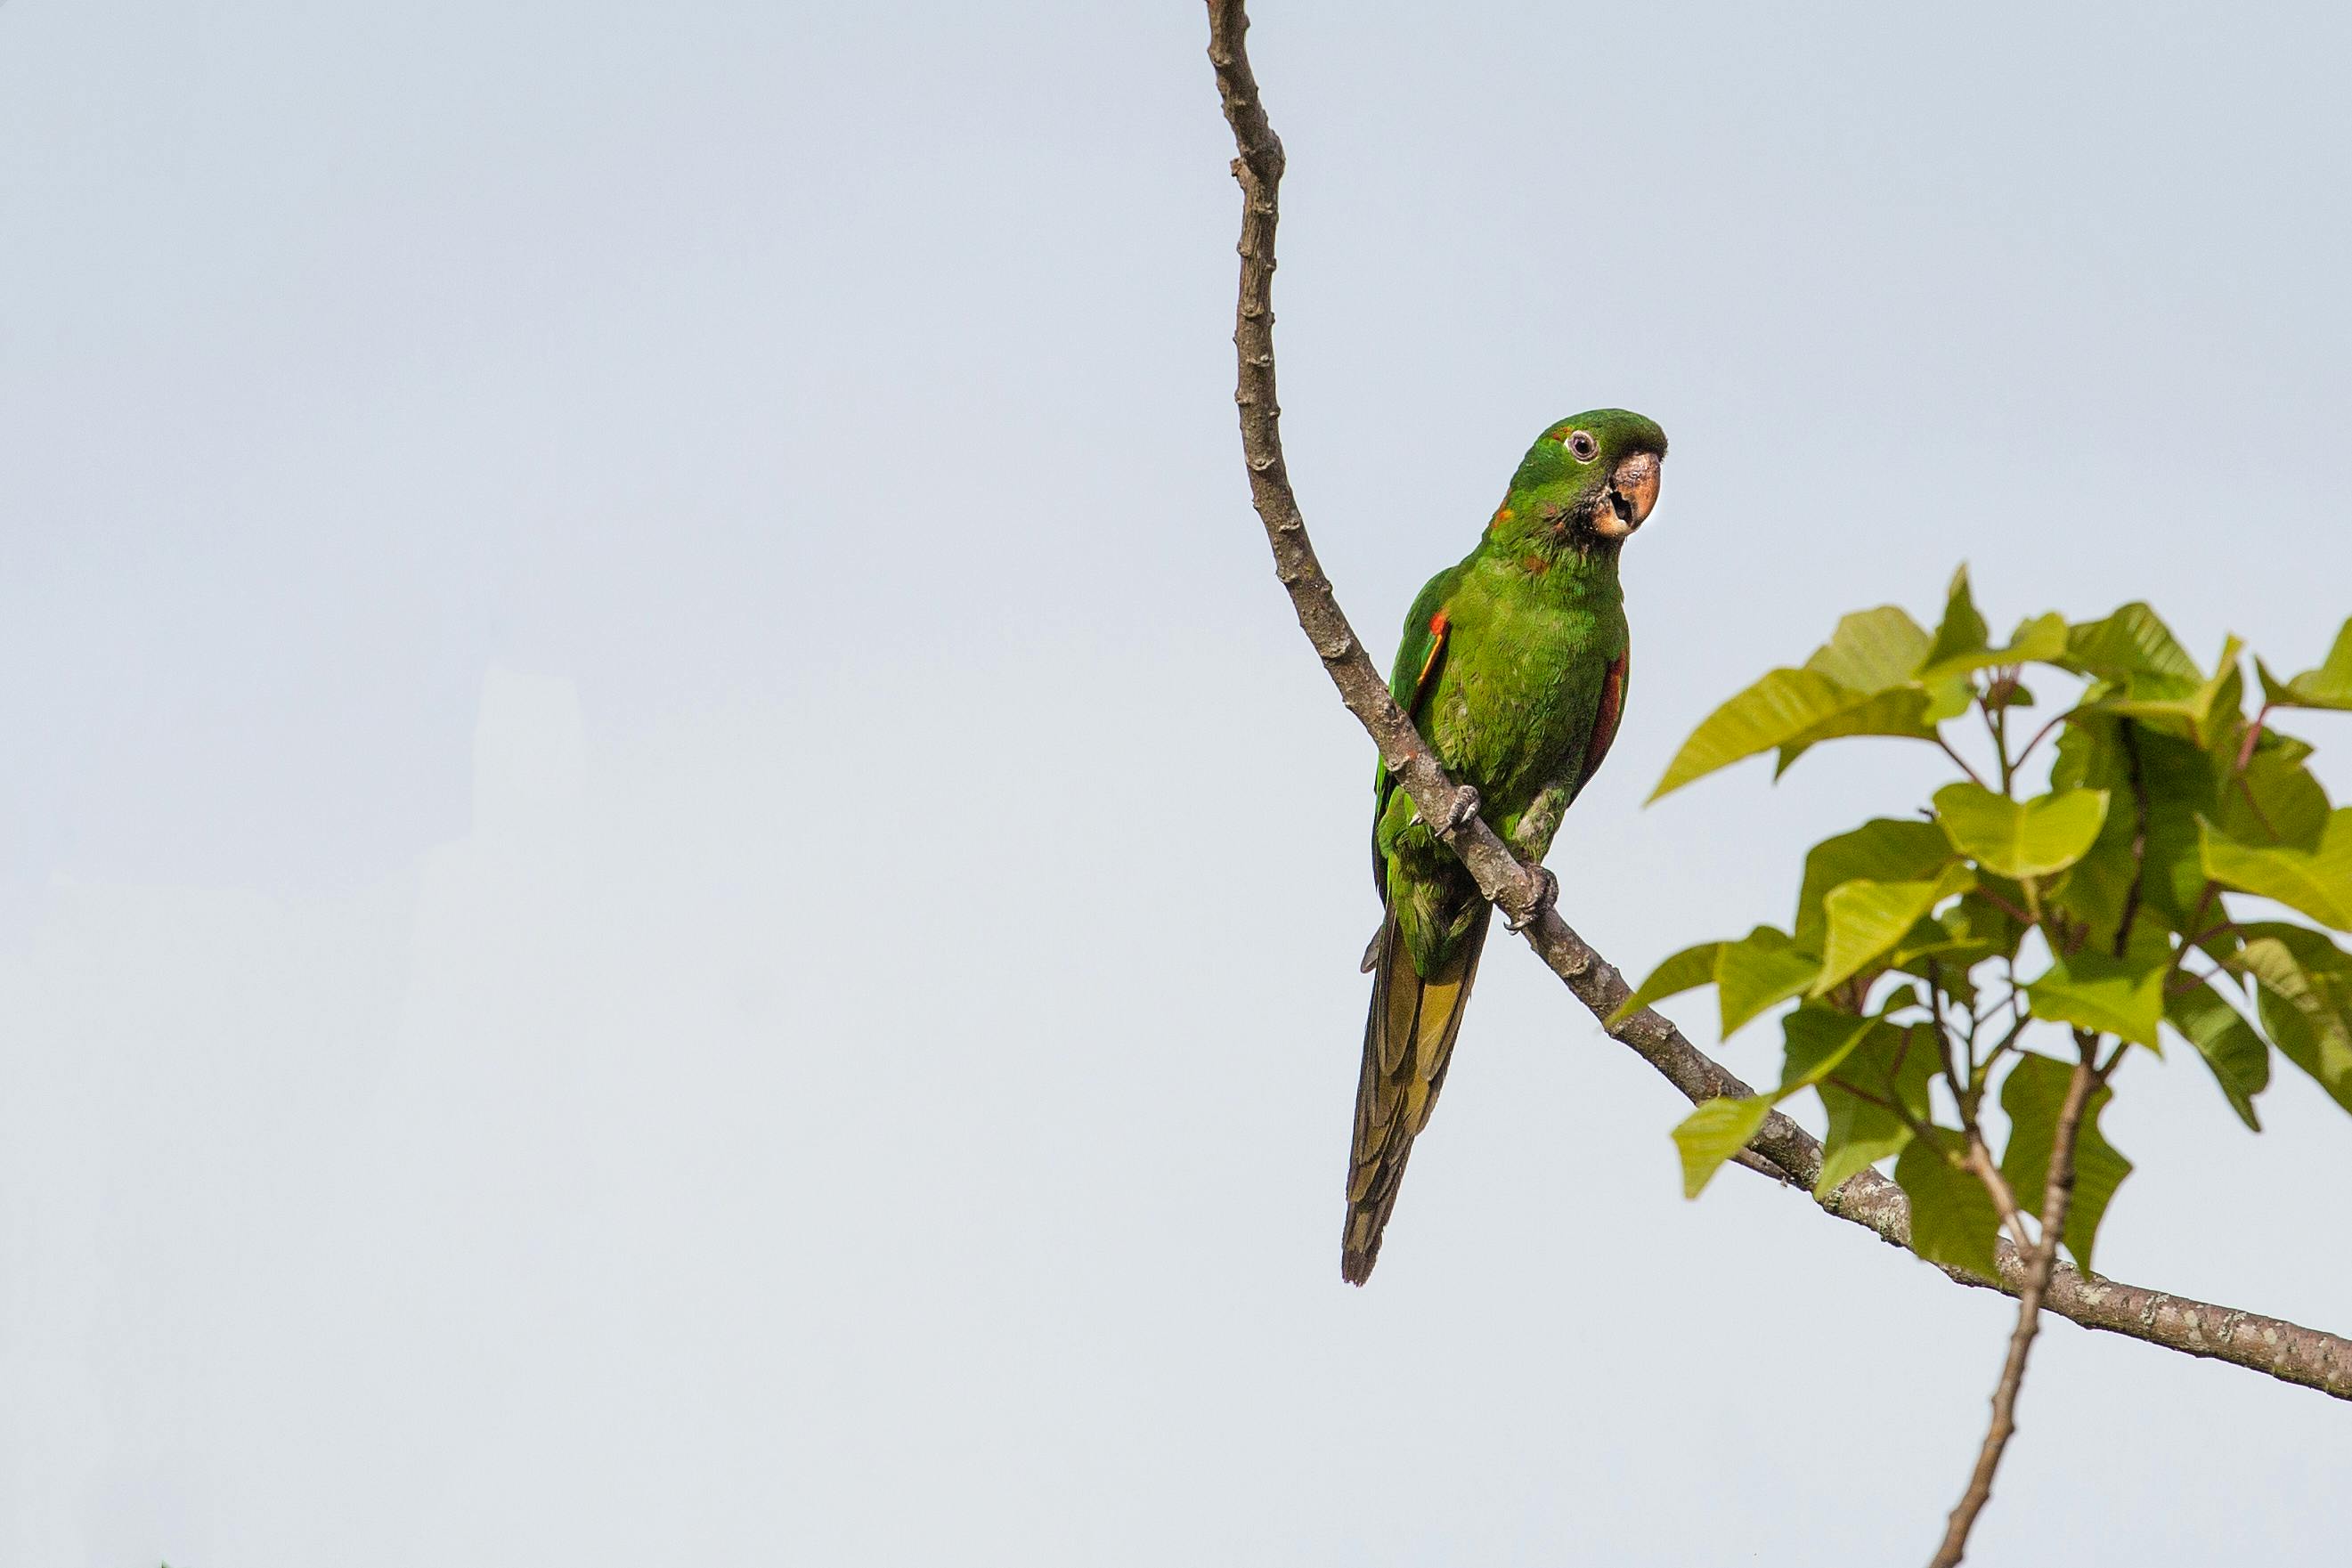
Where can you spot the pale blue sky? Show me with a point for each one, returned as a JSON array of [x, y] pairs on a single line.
[[625, 930]]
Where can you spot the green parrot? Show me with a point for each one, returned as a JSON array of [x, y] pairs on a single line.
[[1513, 667]]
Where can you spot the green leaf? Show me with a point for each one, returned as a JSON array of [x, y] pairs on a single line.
[[1962, 634], [1886, 849], [2275, 803], [2198, 711], [1953, 1221], [2178, 779], [1894, 1065], [2132, 641], [2033, 1094], [1714, 1132], [1960, 642], [2303, 983], [1817, 1041], [1791, 708], [1899, 711], [1686, 970], [2039, 640], [2020, 838], [1872, 649], [2329, 686], [2317, 882], [1974, 929], [1758, 971], [1867, 919], [2239, 1058], [1947, 697], [2121, 997]]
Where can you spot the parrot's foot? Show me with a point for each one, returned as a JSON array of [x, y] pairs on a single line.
[[1547, 894], [1464, 806]]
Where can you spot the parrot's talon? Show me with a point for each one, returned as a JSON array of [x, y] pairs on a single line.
[[1546, 896], [1465, 806]]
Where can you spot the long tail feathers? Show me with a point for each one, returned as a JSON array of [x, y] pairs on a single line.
[[1408, 1042]]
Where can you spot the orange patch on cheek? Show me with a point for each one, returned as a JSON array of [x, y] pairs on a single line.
[[1502, 515]]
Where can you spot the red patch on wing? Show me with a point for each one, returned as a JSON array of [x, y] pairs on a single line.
[[1604, 718], [1439, 625]]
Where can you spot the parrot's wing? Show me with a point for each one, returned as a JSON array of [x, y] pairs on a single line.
[[1605, 720], [1420, 659]]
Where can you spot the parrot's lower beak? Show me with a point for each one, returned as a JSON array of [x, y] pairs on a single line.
[[1632, 491]]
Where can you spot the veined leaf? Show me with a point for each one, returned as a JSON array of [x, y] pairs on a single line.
[[2329, 686], [1974, 929], [1891, 1065], [2132, 641], [1872, 649], [1962, 634], [1787, 707], [2040, 640], [1961, 647], [1713, 1133], [2178, 781], [1686, 970], [1819, 1040], [1886, 849], [2020, 838], [2301, 997], [1947, 698], [2033, 1094], [1867, 919], [1900, 711], [2316, 883], [2097, 886], [2239, 1058], [2121, 997], [1953, 1220], [2195, 711], [2275, 803], [1759, 970]]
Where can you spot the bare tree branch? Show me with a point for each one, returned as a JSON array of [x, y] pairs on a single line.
[[2286, 1351], [2058, 1195]]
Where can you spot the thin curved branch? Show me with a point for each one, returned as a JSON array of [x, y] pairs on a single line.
[[2041, 1261], [2286, 1351]]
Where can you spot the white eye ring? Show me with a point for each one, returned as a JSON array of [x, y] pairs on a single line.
[[1580, 446]]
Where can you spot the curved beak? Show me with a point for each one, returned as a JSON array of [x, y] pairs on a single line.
[[1632, 491]]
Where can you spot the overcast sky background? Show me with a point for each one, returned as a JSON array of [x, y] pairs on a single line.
[[672, 887]]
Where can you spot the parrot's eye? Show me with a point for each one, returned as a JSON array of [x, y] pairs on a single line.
[[1581, 446]]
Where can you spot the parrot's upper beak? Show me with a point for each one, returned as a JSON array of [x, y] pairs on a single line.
[[1632, 491]]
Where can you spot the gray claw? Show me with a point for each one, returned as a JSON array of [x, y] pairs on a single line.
[[1547, 894], [1465, 806]]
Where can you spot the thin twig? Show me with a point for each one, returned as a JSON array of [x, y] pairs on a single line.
[[2039, 737], [1960, 762], [2311, 1358], [2057, 1195]]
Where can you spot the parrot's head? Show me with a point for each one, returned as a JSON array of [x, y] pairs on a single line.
[[1587, 483]]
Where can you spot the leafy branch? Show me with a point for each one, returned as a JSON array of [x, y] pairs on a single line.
[[1902, 903], [2164, 802]]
